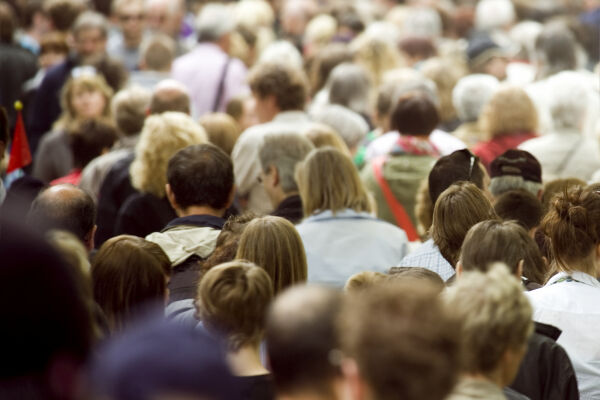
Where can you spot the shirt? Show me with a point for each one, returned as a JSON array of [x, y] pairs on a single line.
[[428, 256]]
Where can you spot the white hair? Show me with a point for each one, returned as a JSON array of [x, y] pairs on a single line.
[[348, 124], [502, 184], [494, 14], [320, 29], [423, 22], [213, 22], [471, 93], [282, 51], [524, 34], [569, 99], [253, 14]]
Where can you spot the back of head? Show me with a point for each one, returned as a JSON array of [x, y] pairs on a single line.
[[521, 206], [350, 125], [90, 139], [496, 316], [301, 336], [515, 170], [232, 301], [158, 52], [63, 13], [284, 151], [459, 207], [287, 84], [325, 61], [128, 274], [557, 186], [471, 93], [129, 107], [213, 22], [201, 175], [555, 50], [418, 275], [274, 244], [509, 111], [282, 51], [336, 190], [461, 165], [570, 99], [170, 95], [349, 86], [494, 14], [363, 280], [222, 130], [322, 135], [400, 326], [414, 114]]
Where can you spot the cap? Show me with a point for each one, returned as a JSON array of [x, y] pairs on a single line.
[[517, 163]]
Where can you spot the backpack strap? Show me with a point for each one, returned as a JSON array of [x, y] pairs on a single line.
[[400, 215], [221, 87]]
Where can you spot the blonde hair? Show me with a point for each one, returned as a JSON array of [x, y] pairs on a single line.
[[328, 180], [162, 136], [274, 244], [88, 82], [445, 74], [363, 280], [509, 111], [376, 55], [222, 130], [322, 135]]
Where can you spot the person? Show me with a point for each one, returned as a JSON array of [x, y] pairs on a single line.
[[232, 302], [322, 135], [340, 235], [300, 336], [567, 300], [168, 17], [200, 189], [222, 130], [129, 274], [157, 53], [520, 206], [516, 170], [279, 155], [124, 43], [496, 326], [456, 210], [65, 207], [349, 125], [280, 93], [364, 279], [219, 80], [423, 345], [273, 244]]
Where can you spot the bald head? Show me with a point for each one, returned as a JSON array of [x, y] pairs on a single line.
[[300, 337], [170, 95], [64, 207]]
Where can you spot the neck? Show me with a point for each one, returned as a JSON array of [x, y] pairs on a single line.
[[200, 210], [494, 377], [246, 361]]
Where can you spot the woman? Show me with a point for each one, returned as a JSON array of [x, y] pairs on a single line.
[[340, 235], [570, 299], [274, 244], [84, 97]]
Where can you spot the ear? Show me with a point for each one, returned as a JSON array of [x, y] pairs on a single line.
[[355, 385], [519, 271], [459, 269], [171, 197], [89, 242], [275, 175], [231, 197]]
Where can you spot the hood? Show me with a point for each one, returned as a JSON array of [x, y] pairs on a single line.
[[181, 242]]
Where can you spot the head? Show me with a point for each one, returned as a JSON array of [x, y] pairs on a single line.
[[349, 86], [322, 135], [63, 13], [200, 176], [274, 244], [214, 22], [53, 49], [128, 274], [165, 16], [376, 54], [384, 330], [83, 97], [495, 241], [417, 275], [170, 95], [516, 170], [232, 301], [569, 102], [509, 111], [486, 57], [555, 50], [222, 130], [350, 125], [301, 338], [572, 224], [363, 280], [521, 206], [162, 136], [8, 22], [458, 208], [90, 32], [130, 18], [553, 188], [494, 14], [319, 32], [128, 108], [414, 114], [337, 190], [65, 207], [496, 322], [90, 139], [157, 53], [282, 51], [325, 60], [471, 93], [445, 74], [417, 49], [279, 155], [277, 87]]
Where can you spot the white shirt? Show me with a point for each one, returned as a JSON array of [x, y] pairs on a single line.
[[573, 306]]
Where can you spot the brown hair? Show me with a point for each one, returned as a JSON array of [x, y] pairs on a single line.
[[287, 84], [363, 280], [222, 130], [85, 82], [521, 206], [557, 186], [63, 13], [458, 208], [414, 114], [128, 272], [573, 226], [274, 244], [325, 61], [233, 299], [417, 275], [510, 111]]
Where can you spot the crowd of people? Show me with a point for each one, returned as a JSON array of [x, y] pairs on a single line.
[[300, 199]]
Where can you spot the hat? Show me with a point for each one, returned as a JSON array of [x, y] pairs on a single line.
[[517, 163], [481, 48]]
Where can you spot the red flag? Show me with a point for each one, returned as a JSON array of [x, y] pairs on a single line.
[[20, 155]]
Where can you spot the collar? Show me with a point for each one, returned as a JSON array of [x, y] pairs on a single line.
[[577, 276], [291, 116], [209, 221], [346, 213]]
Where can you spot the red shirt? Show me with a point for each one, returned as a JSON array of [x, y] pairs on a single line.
[[72, 177], [488, 151]]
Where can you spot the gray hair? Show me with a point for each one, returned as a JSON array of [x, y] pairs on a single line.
[[501, 184], [350, 125], [213, 22], [569, 100], [349, 86], [471, 93], [282, 51], [284, 151], [90, 20], [423, 22], [494, 14], [129, 107]]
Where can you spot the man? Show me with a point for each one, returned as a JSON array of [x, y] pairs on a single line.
[[125, 44], [301, 337], [514, 170], [280, 92], [212, 76], [200, 189], [65, 207], [156, 58], [168, 17], [278, 157]]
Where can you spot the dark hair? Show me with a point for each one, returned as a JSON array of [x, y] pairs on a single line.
[[461, 165], [286, 83], [8, 23], [64, 207], [414, 114], [201, 175], [418, 47], [89, 138], [521, 206], [325, 61], [4, 134], [63, 13]]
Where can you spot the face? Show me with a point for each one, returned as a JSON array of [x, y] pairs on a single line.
[[87, 103], [90, 43], [159, 19], [131, 20], [497, 67]]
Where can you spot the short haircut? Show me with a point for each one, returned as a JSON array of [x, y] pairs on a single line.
[[509, 111], [301, 336], [128, 273], [349, 86], [54, 42], [521, 206], [471, 93], [170, 95], [506, 183], [336, 190], [233, 299], [201, 175], [284, 151], [461, 165], [417, 275], [325, 61], [570, 99], [414, 114], [287, 84], [90, 20], [400, 326], [222, 130], [129, 107], [274, 244], [63, 13], [496, 316], [350, 125], [213, 22], [89, 139], [364, 279], [73, 210], [158, 52], [493, 241], [556, 48]]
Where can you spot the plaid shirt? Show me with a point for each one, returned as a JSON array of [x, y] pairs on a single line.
[[428, 256]]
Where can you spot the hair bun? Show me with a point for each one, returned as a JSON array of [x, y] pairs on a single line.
[[568, 206]]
